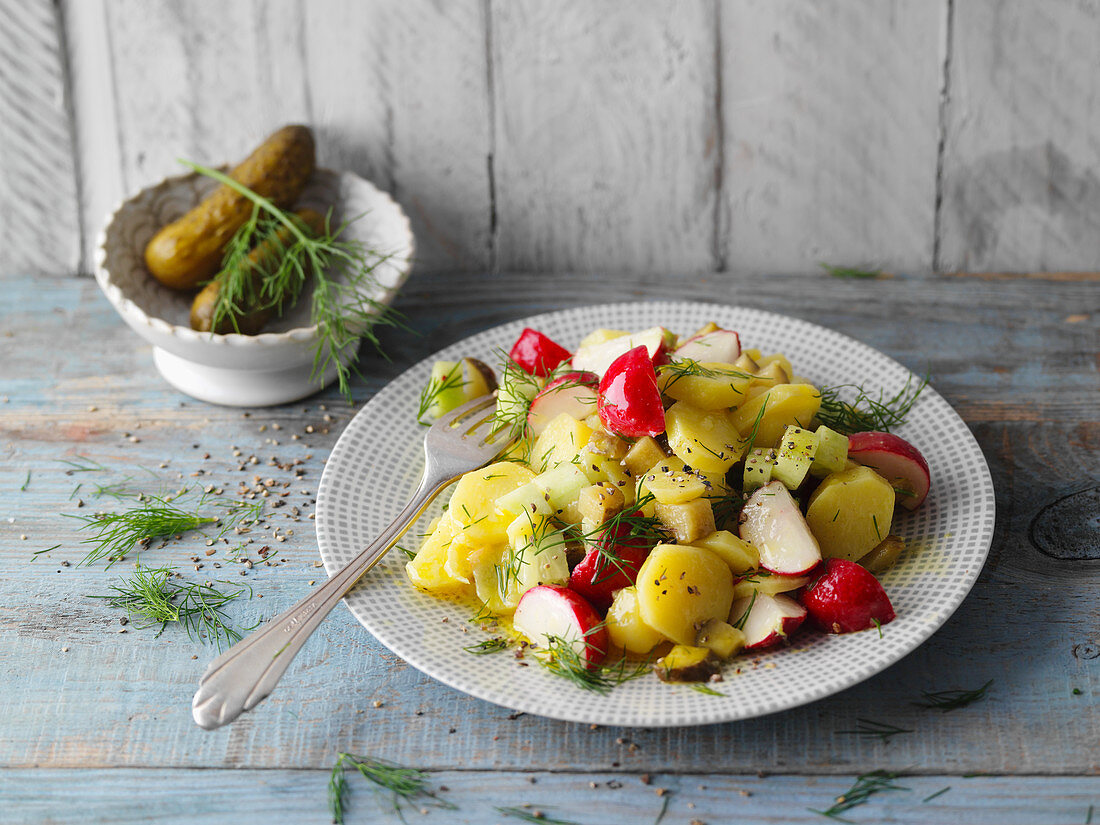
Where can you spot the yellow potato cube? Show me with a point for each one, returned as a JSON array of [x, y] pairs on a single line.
[[783, 405], [721, 639], [706, 386], [741, 556], [625, 625], [851, 512], [644, 454], [689, 521], [703, 439], [561, 442], [681, 588], [671, 482]]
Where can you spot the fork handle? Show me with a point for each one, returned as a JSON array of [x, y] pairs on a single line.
[[244, 675]]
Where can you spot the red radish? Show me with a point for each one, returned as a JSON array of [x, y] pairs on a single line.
[[772, 522], [847, 598], [550, 612], [598, 357], [537, 354], [722, 346], [629, 401], [598, 577], [896, 460], [770, 619], [573, 393]]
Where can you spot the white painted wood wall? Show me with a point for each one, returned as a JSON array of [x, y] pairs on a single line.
[[670, 136]]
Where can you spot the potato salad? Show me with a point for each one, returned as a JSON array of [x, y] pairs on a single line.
[[668, 500]]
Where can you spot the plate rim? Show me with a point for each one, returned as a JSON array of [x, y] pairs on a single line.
[[927, 629]]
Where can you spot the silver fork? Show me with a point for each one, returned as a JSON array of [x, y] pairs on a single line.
[[244, 675]]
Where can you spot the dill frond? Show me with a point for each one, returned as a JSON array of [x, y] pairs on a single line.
[[153, 596], [866, 786], [947, 700], [867, 412], [850, 272], [875, 730], [342, 271], [406, 784], [560, 658]]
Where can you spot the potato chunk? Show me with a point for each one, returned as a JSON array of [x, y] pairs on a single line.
[[680, 588], [625, 625], [782, 405], [851, 512], [689, 521], [703, 439]]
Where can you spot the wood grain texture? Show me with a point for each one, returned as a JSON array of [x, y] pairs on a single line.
[[122, 699], [39, 225], [830, 113], [606, 143], [208, 81], [1020, 187], [293, 797]]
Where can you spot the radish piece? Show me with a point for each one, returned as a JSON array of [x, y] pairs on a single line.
[[549, 611], [722, 346], [573, 393], [847, 598], [770, 619], [896, 460], [598, 578], [535, 353], [772, 522], [629, 401], [598, 357]]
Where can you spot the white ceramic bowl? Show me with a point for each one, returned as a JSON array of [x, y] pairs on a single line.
[[274, 367]]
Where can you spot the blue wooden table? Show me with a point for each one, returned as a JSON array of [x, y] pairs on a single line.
[[95, 721]]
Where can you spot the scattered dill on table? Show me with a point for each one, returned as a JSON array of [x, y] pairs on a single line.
[[865, 786], [153, 596], [875, 730], [947, 700], [408, 785]]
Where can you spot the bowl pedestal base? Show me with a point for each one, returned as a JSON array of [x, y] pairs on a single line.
[[244, 387]]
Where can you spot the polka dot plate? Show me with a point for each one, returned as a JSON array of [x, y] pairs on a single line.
[[377, 462]]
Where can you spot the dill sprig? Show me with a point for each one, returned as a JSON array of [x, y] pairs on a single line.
[[406, 784], [756, 425], [529, 813], [115, 534], [488, 646], [867, 412], [561, 658], [875, 730], [947, 700], [26, 483], [152, 596], [517, 388], [629, 527], [82, 464], [342, 270], [740, 623], [866, 786], [850, 272]]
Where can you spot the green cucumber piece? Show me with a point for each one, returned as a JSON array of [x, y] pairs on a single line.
[[832, 452], [758, 468], [794, 456]]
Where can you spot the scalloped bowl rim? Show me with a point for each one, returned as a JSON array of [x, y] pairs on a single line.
[[153, 328]]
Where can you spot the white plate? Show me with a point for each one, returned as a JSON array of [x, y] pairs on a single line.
[[377, 462]]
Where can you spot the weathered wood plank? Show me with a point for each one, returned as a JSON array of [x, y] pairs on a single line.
[[122, 699], [399, 92], [830, 115], [39, 223], [188, 796], [208, 81], [1020, 190], [606, 146]]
